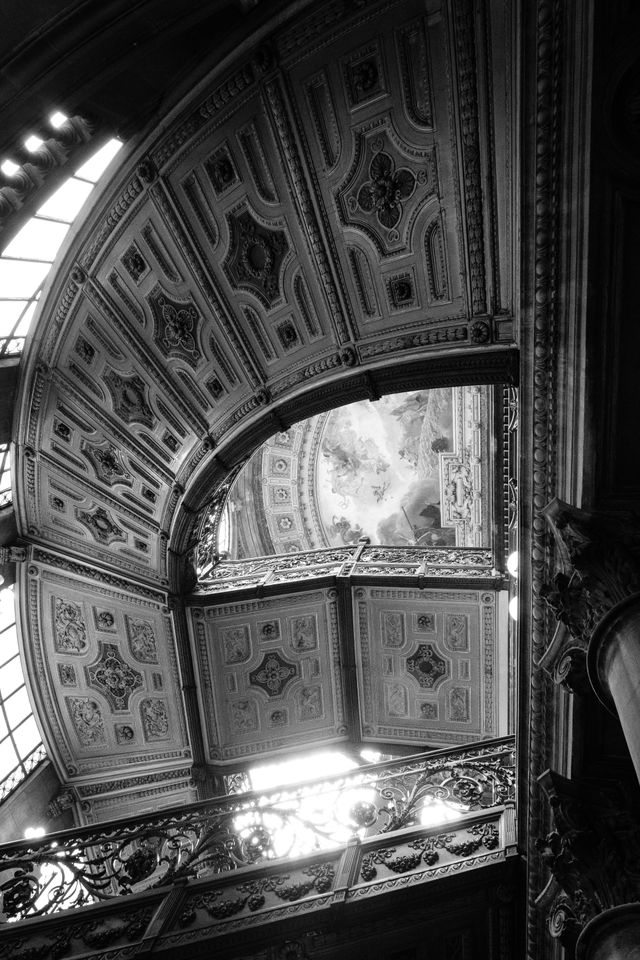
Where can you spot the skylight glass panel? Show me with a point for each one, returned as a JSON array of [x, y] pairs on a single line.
[[95, 167], [38, 240], [27, 259], [17, 707], [10, 313], [11, 676], [21, 278], [65, 203], [26, 737], [8, 644]]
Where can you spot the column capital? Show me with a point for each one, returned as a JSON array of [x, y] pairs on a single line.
[[592, 853], [599, 560]]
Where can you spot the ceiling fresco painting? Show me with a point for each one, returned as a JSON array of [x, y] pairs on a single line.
[[410, 469]]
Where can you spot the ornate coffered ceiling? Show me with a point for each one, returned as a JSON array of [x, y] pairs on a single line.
[[326, 217]]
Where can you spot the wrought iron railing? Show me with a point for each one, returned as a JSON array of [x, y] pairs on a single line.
[[83, 866], [358, 560]]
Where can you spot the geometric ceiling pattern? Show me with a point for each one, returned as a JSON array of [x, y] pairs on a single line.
[[326, 217]]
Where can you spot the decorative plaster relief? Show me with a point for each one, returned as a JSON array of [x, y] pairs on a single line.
[[175, 324], [383, 190], [244, 715], [236, 644], [107, 462], [70, 628], [113, 677], [428, 667], [87, 720], [124, 733], [459, 704], [309, 703], [304, 634], [392, 624], [129, 396], [255, 257], [155, 721], [67, 674], [101, 525], [274, 674], [142, 640], [396, 700], [456, 631]]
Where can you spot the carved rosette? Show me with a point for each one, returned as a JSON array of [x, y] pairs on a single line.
[[384, 189], [175, 326]]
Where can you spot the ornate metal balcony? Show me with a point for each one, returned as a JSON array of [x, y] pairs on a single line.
[[422, 813], [360, 560]]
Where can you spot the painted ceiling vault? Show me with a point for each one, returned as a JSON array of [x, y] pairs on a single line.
[[325, 219], [409, 469]]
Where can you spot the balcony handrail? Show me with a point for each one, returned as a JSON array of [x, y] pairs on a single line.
[[80, 866]]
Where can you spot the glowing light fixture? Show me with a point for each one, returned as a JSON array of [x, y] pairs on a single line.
[[9, 168], [513, 608], [512, 563], [33, 143], [32, 832], [57, 119]]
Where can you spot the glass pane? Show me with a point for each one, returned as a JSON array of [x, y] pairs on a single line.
[[8, 644], [66, 201], [8, 758], [38, 239], [21, 278], [26, 737], [23, 327], [10, 311], [7, 608], [10, 677], [93, 168], [3, 726], [17, 707], [15, 346]]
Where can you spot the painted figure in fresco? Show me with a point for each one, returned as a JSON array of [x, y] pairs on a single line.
[[341, 527]]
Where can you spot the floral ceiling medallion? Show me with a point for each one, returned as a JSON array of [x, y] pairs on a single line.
[[273, 674], [175, 324], [101, 524], [255, 258], [428, 667], [384, 189], [111, 676]]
